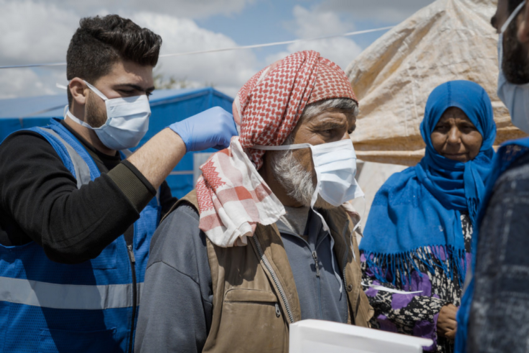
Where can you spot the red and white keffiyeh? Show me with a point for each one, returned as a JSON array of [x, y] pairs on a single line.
[[232, 196]]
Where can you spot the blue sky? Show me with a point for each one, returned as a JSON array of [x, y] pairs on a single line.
[[273, 21], [39, 31]]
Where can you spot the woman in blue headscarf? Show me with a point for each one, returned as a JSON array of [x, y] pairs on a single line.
[[417, 239]]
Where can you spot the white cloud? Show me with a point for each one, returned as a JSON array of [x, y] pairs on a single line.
[[315, 23], [38, 32], [25, 82], [390, 11], [34, 32], [224, 69], [340, 50], [309, 24], [176, 8]]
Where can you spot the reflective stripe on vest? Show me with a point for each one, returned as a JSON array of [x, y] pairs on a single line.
[[66, 296], [82, 171]]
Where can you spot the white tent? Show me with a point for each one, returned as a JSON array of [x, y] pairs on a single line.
[[392, 78], [447, 40]]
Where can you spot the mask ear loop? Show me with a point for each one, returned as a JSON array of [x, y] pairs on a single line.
[[96, 91], [503, 29], [511, 17], [66, 111]]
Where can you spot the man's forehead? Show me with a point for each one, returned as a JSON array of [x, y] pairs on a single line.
[[332, 115], [127, 72]]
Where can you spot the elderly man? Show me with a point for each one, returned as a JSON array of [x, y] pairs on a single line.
[[229, 268]]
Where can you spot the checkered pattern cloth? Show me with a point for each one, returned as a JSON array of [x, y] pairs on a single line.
[[232, 196]]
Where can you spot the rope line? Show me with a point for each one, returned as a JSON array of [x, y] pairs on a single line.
[[348, 34]]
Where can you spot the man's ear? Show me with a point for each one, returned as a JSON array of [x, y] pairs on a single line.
[[78, 90], [523, 28]]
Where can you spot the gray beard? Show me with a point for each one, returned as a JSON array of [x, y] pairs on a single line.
[[295, 179]]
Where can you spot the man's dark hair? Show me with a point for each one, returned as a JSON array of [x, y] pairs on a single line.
[[99, 42], [515, 63]]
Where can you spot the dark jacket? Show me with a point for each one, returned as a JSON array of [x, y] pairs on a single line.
[[499, 315]]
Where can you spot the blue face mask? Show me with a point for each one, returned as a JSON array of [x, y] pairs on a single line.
[[127, 120], [515, 97], [335, 167]]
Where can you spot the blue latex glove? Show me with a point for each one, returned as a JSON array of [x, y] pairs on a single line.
[[212, 128]]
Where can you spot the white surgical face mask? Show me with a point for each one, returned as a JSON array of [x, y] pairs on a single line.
[[515, 97], [335, 166], [127, 120]]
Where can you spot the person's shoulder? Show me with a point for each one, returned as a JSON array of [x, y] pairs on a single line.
[[399, 187], [182, 220], [400, 177], [178, 241], [516, 177], [182, 212], [24, 139], [521, 162], [26, 148]]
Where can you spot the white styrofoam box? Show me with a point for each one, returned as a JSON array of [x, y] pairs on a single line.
[[317, 336]]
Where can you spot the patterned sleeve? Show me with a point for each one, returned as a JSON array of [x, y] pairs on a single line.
[[410, 314]]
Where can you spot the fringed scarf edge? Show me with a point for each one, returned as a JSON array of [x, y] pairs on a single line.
[[385, 266]]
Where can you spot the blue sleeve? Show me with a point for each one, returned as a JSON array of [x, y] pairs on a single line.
[[176, 301]]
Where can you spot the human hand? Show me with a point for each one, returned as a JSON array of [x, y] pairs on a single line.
[[212, 128], [446, 322], [451, 335]]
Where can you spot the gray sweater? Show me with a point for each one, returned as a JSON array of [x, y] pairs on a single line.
[[499, 316], [176, 302]]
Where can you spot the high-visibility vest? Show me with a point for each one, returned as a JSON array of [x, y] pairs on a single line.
[[46, 306]]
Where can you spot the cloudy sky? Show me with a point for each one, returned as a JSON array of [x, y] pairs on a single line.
[[38, 31]]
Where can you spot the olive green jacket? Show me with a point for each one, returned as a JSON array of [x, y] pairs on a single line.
[[254, 292]]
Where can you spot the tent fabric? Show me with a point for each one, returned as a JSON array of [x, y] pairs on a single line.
[[447, 40], [167, 106]]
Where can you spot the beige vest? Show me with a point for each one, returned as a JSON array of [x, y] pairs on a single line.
[[254, 293]]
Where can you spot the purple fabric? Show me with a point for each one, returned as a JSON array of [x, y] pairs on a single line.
[[414, 314], [419, 282], [387, 325], [426, 328], [417, 314], [401, 300], [442, 253]]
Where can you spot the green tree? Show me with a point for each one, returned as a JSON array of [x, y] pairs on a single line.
[[162, 81], [170, 82]]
